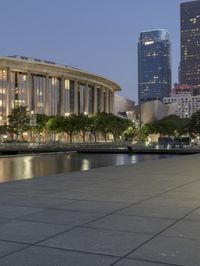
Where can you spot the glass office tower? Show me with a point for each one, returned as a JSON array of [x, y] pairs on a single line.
[[190, 43], [154, 66]]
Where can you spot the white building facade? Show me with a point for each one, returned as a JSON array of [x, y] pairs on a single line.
[[186, 104], [52, 89]]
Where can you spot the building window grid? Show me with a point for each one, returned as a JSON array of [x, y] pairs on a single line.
[[19, 90], [39, 88], [71, 94], [3, 83], [54, 85], [22, 87], [66, 96], [18, 87], [91, 100], [99, 100]]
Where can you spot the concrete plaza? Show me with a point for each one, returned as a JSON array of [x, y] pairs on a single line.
[[132, 215]]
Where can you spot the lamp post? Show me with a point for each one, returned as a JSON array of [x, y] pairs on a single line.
[[33, 123]]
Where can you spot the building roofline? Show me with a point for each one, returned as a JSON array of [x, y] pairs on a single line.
[[189, 2], [50, 64], [155, 30]]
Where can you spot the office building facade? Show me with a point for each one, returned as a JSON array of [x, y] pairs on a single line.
[[190, 43], [154, 66], [48, 88], [186, 104], [185, 89]]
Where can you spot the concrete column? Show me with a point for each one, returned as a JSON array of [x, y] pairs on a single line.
[[17, 85], [29, 91], [8, 92], [102, 99], [86, 99], [76, 97], [67, 103], [95, 99], [44, 93], [81, 98], [47, 95], [35, 96], [61, 110], [112, 98], [107, 100]]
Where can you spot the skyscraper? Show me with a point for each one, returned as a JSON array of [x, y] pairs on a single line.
[[190, 43], [154, 66]]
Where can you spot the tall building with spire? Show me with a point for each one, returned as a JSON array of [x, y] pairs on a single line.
[[154, 65], [190, 43]]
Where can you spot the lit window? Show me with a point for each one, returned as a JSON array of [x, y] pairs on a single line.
[[53, 81], [67, 82], [148, 42]]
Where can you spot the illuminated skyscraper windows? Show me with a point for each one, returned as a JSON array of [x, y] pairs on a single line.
[[190, 43], [154, 66]]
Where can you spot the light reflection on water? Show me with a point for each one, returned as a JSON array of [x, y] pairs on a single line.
[[25, 167], [85, 165]]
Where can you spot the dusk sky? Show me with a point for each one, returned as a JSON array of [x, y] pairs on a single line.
[[99, 36]]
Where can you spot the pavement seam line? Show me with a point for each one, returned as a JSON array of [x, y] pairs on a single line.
[[156, 235], [151, 261]]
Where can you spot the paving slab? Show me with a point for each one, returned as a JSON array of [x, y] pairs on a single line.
[[34, 202], [9, 247], [131, 224], [62, 217], [167, 201], [11, 211], [184, 229], [107, 242], [194, 216], [9, 199], [156, 211], [184, 195], [3, 220], [93, 206], [172, 250], [41, 256], [28, 232], [132, 262], [142, 214]]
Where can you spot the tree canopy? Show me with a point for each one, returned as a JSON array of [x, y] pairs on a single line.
[[18, 120], [171, 125], [194, 124], [100, 124]]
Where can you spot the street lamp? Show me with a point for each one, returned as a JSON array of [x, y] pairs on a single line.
[[33, 122]]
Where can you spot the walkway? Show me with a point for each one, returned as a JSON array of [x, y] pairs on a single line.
[[146, 214]]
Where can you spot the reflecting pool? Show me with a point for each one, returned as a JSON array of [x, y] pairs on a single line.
[[25, 167]]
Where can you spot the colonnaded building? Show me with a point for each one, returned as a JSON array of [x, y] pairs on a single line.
[[52, 89]]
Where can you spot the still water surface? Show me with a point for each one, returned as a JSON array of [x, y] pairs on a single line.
[[25, 167]]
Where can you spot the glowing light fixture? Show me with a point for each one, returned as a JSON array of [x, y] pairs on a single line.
[[148, 42]]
